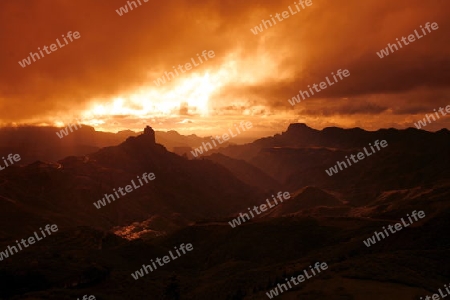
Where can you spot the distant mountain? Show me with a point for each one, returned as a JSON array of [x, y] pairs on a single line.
[[172, 139], [299, 135], [299, 157], [42, 143]]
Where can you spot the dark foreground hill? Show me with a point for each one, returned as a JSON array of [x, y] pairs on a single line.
[[241, 263]]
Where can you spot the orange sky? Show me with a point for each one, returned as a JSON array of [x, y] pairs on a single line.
[[106, 78]]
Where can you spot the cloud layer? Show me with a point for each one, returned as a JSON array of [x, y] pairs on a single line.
[[254, 75]]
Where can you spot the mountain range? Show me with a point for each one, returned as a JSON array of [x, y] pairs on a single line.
[[42, 143], [326, 219]]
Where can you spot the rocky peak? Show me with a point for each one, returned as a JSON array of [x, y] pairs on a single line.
[[149, 133]]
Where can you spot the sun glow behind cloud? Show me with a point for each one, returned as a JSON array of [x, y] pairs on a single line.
[[188, 96], [156, 102], [194, 90]]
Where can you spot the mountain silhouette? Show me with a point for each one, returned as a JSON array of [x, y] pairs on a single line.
[[64, 192], [326, 219]]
